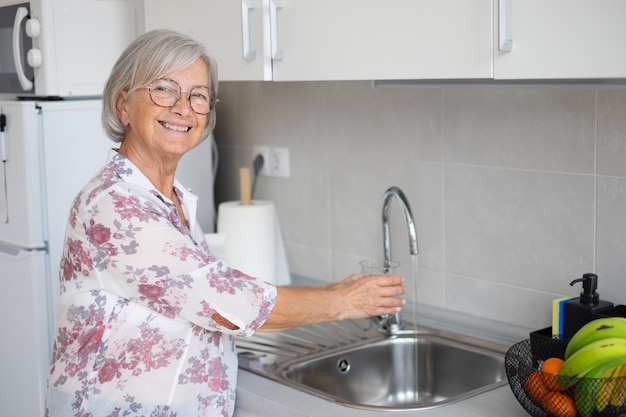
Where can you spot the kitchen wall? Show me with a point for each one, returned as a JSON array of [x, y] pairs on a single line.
[[516, 191]]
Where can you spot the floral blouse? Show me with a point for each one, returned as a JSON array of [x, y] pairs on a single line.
[[134, 331]]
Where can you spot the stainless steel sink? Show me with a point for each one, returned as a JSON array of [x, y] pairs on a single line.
[[407, 371]]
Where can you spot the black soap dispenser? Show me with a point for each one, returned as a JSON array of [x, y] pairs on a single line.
[[579, 312]]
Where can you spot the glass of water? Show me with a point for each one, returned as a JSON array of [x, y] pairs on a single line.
[[378, 267]]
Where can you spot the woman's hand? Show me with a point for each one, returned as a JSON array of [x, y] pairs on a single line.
[[360, 297], [353, 298]]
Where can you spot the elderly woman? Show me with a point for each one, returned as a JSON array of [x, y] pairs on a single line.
[[147, 313]]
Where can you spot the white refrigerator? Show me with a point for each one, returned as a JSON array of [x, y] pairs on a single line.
[[49, 150]]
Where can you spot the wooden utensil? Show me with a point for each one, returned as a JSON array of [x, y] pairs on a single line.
[[244, 186]]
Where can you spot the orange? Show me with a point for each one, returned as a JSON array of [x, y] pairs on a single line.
[[535, 387], [550, 368], [558, 404]]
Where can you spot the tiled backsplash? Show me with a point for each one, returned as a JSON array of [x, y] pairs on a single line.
[[516, 191]]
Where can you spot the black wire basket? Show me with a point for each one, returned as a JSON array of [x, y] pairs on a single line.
[[525, 358]]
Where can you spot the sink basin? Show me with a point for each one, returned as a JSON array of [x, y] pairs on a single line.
[[407, 371]]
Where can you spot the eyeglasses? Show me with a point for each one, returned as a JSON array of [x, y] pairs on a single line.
[[166, 93]]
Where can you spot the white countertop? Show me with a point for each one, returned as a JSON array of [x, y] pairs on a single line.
[[258, 396]]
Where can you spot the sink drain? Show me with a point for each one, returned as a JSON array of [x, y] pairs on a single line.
[[343, 365]]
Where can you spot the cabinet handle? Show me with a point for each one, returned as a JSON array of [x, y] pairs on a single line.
[[277, 54], [505, 42], [246, 6]]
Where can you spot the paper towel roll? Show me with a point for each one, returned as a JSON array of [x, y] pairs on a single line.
[[251, 239]]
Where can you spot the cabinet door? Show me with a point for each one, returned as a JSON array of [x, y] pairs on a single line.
[[565, 39], [223, 26], [383, 39]]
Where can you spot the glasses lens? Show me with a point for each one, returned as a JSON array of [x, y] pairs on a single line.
[[200, 100], [164, 93]]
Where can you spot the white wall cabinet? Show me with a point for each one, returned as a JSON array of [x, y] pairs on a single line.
[[220, 25], [383, 39], [305, 40], [562, 39], [294, 40]]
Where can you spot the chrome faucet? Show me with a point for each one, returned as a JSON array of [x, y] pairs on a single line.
[[392, 323]]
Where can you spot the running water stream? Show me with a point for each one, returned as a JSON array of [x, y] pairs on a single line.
[[414, 274]]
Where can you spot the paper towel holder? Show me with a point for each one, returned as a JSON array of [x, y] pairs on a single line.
[[245, 193]]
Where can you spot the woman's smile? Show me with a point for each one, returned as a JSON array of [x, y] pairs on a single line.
[[174, 127]]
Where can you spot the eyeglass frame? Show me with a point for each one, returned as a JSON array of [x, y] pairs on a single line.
[[212, 101]]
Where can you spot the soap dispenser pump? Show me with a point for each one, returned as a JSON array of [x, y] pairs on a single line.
[[579, 312]]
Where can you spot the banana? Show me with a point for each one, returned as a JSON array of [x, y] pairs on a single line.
[[618, 395], [607, 383], [595, 330], [594, 358], [597, 356], [586, 391]]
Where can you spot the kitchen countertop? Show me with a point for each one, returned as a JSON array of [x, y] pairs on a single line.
[[258, 396]]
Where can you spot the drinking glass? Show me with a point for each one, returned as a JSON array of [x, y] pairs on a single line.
[[378, 267]]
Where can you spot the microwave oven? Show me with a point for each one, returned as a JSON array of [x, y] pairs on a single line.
[[63, 48]]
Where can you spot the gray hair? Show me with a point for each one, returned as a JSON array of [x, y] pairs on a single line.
[[152, 55]]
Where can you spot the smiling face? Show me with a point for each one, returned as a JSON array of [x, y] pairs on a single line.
[[162, 134]]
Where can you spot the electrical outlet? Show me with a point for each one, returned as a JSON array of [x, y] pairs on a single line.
[[265, 152], [275, 161], [279, 162]]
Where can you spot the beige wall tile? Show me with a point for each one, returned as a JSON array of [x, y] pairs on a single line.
[[502, 182]]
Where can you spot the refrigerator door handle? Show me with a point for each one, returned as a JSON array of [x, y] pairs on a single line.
[[4, 157], [18, 252]]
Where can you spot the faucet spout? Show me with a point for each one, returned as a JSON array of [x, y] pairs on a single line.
[[408, 217], [392, 323]]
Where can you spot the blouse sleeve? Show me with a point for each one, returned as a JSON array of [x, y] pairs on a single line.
[[130, 243]]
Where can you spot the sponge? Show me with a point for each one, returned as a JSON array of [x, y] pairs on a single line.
[[558, 315]]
